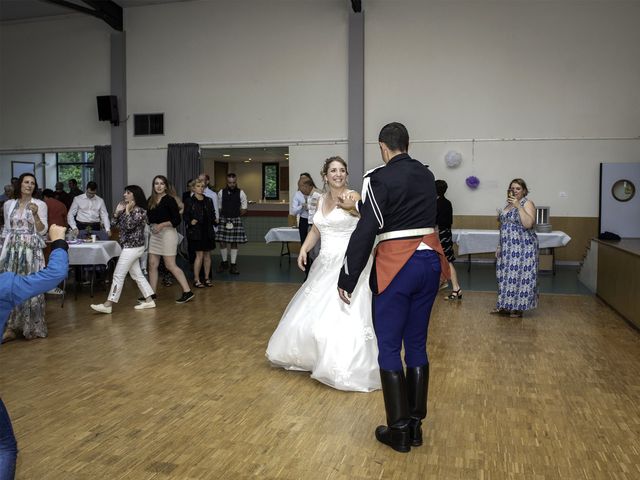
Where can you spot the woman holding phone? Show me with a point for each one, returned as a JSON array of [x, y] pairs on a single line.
[[517, 253], [130, 217]]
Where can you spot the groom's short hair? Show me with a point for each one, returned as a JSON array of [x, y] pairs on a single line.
[[395, 136]]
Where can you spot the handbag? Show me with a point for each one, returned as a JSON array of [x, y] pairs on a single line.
[[194, 232]]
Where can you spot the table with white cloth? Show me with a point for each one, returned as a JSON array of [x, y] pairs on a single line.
[[89, 253], [92, 253], [284, 235], [486, 241]]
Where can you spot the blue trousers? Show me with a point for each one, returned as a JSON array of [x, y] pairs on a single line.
[[8, 446], [401, 312]]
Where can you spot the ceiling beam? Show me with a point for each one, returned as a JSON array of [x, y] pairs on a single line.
[[106, 10]]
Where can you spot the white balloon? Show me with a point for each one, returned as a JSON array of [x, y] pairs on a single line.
[[453, 159]]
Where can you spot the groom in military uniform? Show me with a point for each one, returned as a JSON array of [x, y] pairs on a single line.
[[398, 207]]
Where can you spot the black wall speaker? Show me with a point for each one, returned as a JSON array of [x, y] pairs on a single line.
[[108, 109]]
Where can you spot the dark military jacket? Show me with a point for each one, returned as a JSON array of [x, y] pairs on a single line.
[[398, 196]]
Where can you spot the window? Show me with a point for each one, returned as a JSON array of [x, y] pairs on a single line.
[[76, 165], [270, 181]]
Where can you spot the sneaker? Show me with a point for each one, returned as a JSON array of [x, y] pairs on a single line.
[[142, 299], [101, 308], [145, 305], [186, 296], [234, 269], [56, 291]]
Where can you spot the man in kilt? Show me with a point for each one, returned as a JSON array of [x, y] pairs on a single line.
[[233, 204]]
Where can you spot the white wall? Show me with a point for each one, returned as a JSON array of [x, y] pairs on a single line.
[[502, 70], [233, 72], [224, 72], [50, 74], [310, 159], [146, 164], [50, 171]]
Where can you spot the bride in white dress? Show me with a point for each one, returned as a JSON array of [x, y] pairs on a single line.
[[318, 332]]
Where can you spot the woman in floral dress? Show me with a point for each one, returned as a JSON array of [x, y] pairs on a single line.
[[517, 254], [22, 242]]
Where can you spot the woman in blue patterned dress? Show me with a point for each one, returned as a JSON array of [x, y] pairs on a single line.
[[517, 254]]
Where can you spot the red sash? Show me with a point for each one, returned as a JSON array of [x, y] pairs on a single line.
[[391, 255]]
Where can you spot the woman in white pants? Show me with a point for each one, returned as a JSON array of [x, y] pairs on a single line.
[[131, 217]]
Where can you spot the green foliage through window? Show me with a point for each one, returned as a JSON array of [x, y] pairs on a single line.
[[76, 165], [270, 181]]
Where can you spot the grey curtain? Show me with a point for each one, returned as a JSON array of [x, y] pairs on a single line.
[[102, 174], [183, 164]]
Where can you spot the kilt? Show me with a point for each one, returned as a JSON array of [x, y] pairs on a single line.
[[447, 243], [234, 235]]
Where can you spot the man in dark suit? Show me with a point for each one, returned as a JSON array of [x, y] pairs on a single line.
[[398, 207]]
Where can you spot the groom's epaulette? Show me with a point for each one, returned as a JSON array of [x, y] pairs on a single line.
[[369, 172]]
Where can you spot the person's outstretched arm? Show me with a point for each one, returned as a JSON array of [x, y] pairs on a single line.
[[27, 286], [362, 238]]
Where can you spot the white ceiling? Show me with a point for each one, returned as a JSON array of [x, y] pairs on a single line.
[[11, 10]]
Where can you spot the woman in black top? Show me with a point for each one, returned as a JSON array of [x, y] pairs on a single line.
[[199, 218], [444, 219], [164, 217]]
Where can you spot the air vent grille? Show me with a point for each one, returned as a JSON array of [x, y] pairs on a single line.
[[148, 124]]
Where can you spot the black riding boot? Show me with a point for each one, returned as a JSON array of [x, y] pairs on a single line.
[[396, 433], [417, 391]]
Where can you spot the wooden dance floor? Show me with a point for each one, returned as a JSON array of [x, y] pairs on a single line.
[[185, 392]]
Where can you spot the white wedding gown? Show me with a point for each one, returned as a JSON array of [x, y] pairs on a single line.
[[319, 332]]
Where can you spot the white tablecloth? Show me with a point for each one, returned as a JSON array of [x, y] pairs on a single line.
[[486, 241], [282, 234], [98, 253]]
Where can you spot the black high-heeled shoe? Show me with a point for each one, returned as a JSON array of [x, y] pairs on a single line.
[[454, 295]]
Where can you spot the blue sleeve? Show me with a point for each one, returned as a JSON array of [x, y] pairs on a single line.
[[27, 286], [296, 205]]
